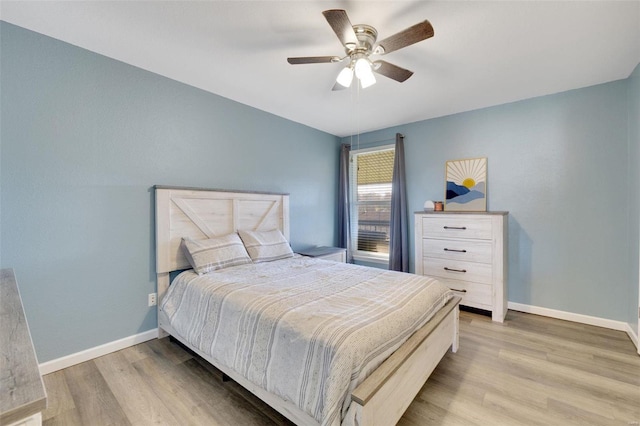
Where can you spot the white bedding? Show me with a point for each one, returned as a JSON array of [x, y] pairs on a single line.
[[305, 329]]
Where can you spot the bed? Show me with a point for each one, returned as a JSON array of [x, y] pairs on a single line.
[[389, 378]]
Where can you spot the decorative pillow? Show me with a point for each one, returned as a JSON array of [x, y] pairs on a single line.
[[215, 253], [265, 246]]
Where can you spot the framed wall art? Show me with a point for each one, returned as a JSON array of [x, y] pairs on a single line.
[[466, 185]]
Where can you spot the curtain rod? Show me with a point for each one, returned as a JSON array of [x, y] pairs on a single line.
[[382, 140]]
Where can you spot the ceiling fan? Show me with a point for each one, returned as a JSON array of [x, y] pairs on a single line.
[[359, 42]]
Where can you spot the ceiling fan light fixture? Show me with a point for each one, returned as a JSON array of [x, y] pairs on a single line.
[[364, 72], [367, 80], [362, 67], [345, 77]]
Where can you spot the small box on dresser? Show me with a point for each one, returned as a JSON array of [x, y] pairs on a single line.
[[468, 252]]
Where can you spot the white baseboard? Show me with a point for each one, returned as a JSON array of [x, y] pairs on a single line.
[[633, 336], [583, 319], [91, 353]]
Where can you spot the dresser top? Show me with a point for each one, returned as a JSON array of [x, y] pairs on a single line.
[[499, 213], [23, 392]]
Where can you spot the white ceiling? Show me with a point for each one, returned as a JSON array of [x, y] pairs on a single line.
[[483, 53]]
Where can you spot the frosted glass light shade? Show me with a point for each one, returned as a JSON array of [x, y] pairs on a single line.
[[345, 77], [367, 80], [362, 67], [364, 73]]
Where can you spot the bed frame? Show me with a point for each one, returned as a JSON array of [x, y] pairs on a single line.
[[203, 213]]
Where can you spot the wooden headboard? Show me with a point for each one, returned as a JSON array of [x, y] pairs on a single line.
[[204, 213]]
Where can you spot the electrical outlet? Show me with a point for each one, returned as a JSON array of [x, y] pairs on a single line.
[[153, 299]]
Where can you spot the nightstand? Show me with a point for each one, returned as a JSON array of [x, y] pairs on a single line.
[[336, 254]]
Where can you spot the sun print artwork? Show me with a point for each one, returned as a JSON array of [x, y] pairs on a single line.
[[466, 185]]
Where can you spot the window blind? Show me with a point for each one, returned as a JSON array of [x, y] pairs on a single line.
[[371, 178]]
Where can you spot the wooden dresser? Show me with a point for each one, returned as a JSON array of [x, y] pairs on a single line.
[[468, 252]]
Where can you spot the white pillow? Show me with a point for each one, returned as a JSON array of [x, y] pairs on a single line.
[[265, 246], [215, 253]]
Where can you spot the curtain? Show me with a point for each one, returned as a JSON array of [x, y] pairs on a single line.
[[398, 232], [344, 226]]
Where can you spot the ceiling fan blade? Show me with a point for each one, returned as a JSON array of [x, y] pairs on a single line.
[[394, 72], [313, 60], [341, 25], [411, 35]]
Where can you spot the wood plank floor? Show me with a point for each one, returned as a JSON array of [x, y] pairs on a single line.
[[531, 370]]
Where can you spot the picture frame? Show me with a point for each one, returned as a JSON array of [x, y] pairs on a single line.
[[466, 185]]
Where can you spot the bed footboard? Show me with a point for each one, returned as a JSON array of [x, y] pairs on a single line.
[[386, 394]]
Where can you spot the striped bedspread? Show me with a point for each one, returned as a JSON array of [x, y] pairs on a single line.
[[305, 329]]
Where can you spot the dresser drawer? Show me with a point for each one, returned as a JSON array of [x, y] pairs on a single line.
[[457, 270], [457, 226], [473, 294], [467, 250]]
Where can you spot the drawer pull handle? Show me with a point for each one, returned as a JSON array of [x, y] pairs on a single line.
[[456, 227], [457, 251], [455, 270], [459, 291]]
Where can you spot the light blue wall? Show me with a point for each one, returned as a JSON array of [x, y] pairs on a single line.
[[634, 196], [83, 140], [559, 165]]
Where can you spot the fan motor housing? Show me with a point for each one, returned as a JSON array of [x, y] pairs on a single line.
[[366, 36]]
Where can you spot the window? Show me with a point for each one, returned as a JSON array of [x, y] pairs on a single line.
[[371, 176]]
